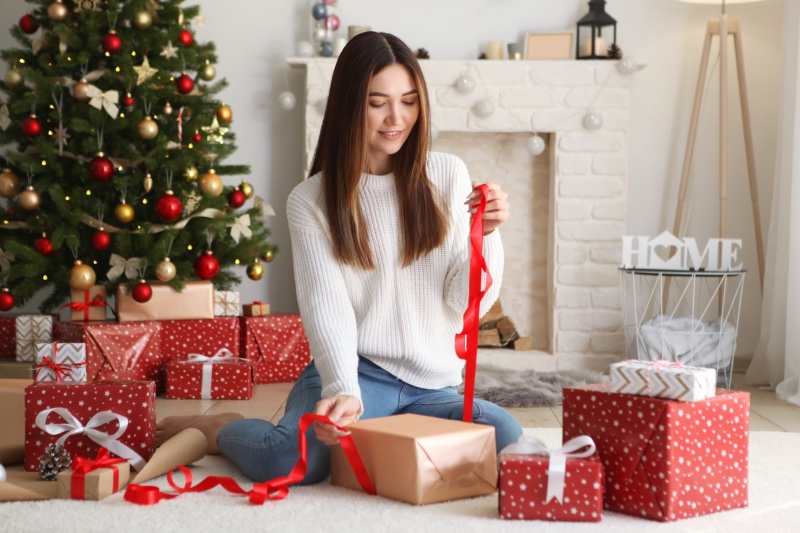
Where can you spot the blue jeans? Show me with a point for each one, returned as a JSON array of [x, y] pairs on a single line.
[[265, 451]]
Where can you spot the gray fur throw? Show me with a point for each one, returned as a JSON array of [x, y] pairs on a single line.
[[529, 388]]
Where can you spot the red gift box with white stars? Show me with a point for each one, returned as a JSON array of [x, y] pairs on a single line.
[[223, 380], [123, 352], [523, 489], [277, 345], [117, 415], [179, 338], [663, 459]]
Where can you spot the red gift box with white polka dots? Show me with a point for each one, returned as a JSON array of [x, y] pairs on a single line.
[[8, 331], [523, 489], [117, 415], [179, 338], [277, 345], [228, 380], [114, 351], [664, 459]]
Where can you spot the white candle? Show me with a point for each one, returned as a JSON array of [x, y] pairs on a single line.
[[494, 50], [599, 47]]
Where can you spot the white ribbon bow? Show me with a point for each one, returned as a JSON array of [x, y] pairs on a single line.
[[241, 227], [528, 445], [119, 265], [73, 426], [223, 354], [5, 260], [104, 100]]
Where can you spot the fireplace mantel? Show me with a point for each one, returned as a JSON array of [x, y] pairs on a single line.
[[587, 180]]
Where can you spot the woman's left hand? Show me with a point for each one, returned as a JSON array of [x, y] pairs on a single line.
[[496, 212]]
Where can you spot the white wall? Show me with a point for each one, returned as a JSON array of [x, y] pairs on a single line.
[[253, 37]]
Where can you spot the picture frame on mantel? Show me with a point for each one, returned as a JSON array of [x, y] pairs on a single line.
[[557, 45]]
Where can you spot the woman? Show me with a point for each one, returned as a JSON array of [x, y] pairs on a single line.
[[380, 243]]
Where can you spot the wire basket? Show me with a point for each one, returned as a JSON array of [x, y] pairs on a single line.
[[690, 317]]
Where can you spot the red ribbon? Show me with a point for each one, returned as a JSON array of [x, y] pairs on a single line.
[[467, 340], [84, 306], [60, 370], [82, 466], [275, 489]]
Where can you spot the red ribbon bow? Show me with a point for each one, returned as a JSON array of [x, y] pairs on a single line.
[[60, 370], [98, 301], [467, 340], [82, 466], [275, 489]]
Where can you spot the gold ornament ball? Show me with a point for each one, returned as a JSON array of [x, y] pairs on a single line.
[[124, 213], [166, 270], [142, 20], [9, 184], [81, 91], [208, 72], [247, 189], [268, 256], [57, 11], [210, 183], [255, 271], [224, 113], [29, 199], [13, 77], [81, 277], [148, 129], [190, 174], [167, 109]]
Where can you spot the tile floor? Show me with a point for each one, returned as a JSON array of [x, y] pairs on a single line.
[[766, 412]]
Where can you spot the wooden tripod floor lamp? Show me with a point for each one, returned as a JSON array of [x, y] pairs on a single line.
[[722, 28]]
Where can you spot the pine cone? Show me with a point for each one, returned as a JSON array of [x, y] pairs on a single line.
[[614, 51], [421, 53], [54, 460]]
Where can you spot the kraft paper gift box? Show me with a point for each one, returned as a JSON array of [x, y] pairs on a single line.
[[88, 481], [530, 490], [60, 361], [8, 345], [195, 301], [664, 459], [179, 338], [17, 370], [122, 352], [226, 303], [87, 304], [12, 420], [420, 459], [277, 345], [255, 309], [210, 378], [663, 380], [84, 417], [31, 329]]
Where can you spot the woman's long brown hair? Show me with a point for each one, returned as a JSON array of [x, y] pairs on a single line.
[[342, 150]]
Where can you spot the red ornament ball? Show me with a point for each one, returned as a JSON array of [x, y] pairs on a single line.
[[28, 23], [206, 266], [142, 292], [31, 127], [112, 43], [101, 168], [128, 101], [169, 207], [197, 137], [186, 38], [184, 83], [236, 198], [101, 240], [6, 300], [43, 246]]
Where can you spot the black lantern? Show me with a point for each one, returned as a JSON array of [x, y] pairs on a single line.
[[597, 31]]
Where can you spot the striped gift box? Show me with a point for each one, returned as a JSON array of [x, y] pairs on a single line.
[[31, 329], [60, 361], [663, 379]]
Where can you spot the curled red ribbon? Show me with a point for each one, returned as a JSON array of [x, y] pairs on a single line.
[[467, 340], [60, 370], [275, 489], [82, 466], [84, 306]]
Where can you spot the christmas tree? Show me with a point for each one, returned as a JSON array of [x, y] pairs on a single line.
[[114, 144]]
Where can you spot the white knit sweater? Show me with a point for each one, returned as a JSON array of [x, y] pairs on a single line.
[[402, 319]]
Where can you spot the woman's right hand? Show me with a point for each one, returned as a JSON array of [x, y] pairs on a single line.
[[342, 410]]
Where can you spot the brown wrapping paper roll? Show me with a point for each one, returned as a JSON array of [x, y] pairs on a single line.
[[12, 420]]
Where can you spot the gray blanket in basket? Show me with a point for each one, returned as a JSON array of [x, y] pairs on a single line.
[[687, 340]]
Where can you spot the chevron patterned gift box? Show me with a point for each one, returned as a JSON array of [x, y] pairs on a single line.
[[663, 379], [31, 329], [60, 361]]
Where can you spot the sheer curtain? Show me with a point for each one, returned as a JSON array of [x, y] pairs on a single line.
[[777, 359]]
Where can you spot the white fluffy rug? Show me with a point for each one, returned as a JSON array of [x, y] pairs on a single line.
[[774, 506]]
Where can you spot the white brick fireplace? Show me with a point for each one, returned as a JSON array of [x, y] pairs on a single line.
[[562, 241]]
